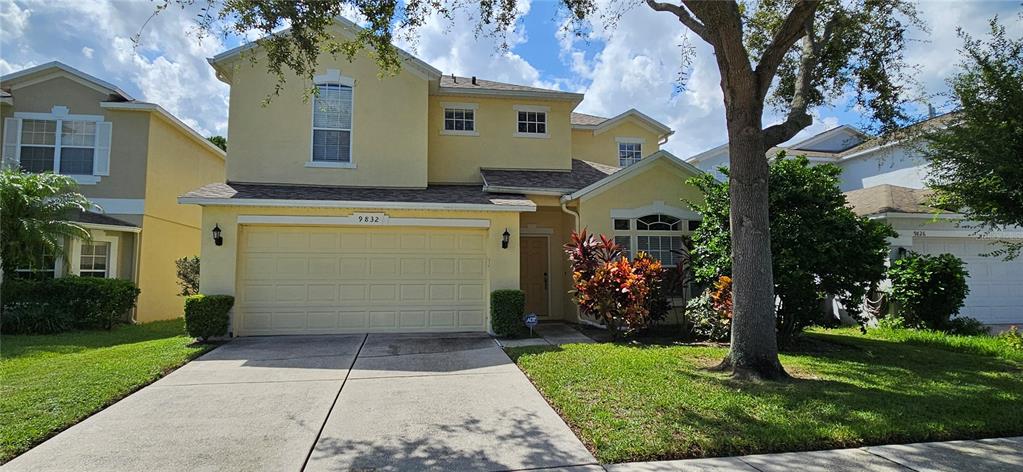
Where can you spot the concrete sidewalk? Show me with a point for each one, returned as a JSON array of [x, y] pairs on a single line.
[[985, 455]]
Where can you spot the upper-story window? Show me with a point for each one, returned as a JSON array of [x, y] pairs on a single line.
[[332, 121], [531, 121], [658, 235], [75, 145], [630, 151], [459, 119]]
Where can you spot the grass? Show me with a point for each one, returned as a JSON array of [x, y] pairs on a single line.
[[979, 345], [50, 382], [632, 403]]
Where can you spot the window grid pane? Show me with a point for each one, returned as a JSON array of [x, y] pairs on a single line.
[[459, 119], [37, 159], [78, 133], [39, 132], [76, 161], [532, 122], [94, 260], [629, 153]]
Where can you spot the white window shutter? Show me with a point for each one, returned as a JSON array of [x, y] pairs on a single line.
[[101, 160], [12, 136]]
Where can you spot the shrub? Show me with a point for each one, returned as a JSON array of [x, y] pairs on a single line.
[[891, 322], [709, 324], [34, 318], [623, 295], [721, 296], [967, 326], [1012, 338], [188, 275], [72, 302], [928, 290], [819, 246], [506, 310], [206, 316]]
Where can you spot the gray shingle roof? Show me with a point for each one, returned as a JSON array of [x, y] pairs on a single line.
[[441, 194], [587, 120], [447, 81], [889, 199], [583, 173], [99, 219]]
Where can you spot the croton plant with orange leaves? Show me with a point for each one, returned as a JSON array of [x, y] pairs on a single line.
[[624, 295]]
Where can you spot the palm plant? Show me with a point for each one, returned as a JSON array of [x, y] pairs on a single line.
[[35, 211]]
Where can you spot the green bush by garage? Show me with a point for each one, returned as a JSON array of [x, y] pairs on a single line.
[[506, 310], [55, 305], [206, 316]]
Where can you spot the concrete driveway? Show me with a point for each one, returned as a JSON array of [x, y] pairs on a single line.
[[362, 402]]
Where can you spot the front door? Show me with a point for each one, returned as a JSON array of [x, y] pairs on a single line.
[[534, 275]]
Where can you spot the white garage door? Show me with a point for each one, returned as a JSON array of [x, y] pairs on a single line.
[[996, 286], [325, 280]]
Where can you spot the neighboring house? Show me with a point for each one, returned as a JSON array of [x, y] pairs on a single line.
[[887, 181], [397, 204], [131, 158]]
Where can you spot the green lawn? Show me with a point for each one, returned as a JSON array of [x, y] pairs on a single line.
[[630, 403], [48, 383]]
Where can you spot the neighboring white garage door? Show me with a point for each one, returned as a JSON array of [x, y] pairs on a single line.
[[996, 286], [323, 280]]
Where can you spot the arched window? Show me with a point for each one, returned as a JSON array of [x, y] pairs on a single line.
[[332, 119], [657, 234]]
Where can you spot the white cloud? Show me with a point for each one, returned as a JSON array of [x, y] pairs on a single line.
[[167, 66]]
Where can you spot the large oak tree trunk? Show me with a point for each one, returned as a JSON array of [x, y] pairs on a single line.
[[754, 347]]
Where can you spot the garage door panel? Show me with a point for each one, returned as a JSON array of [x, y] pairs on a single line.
[[995, 296], [337, 280]]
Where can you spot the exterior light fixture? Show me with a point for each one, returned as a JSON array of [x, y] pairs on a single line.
[[505, 238], [217, 238]]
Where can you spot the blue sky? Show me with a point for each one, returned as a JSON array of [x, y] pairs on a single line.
[[634, 65]]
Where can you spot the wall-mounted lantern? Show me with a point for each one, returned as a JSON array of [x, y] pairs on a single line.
[[217, 238], [505, 238]]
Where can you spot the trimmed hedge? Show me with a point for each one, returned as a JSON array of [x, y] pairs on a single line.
[[206, 316], [55, 305], [506, 310]]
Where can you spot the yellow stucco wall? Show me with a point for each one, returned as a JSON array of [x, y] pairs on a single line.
[[455, 158], [661, 182], [219, 263], [603, 147], [170, 231], [272, 143]]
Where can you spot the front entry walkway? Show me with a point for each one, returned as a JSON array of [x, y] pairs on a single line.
[[363, 402]]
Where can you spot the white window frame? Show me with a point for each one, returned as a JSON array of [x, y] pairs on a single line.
[[534, 109], [59, 114], [98, 236], [474, 107], [627, 140], [58, 268], [633, 233], [332, 76]]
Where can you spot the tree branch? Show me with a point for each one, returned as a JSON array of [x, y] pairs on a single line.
[[793, 28], [797, 118], [683, 16]]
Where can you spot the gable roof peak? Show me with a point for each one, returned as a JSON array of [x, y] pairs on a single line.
[[57, 66]]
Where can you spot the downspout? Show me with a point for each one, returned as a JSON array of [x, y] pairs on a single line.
[[135, 273]]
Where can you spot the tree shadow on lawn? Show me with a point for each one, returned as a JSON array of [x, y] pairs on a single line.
[[76, 341], [871, 392]]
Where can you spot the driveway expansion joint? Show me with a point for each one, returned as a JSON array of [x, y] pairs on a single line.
[[323, 424]]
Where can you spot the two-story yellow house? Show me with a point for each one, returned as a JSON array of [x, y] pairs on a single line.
[[398, 204], [129, 157]]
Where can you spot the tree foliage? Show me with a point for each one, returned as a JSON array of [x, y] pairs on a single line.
[[35, 211], [820, 246], [977, 159], [218, 141]]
